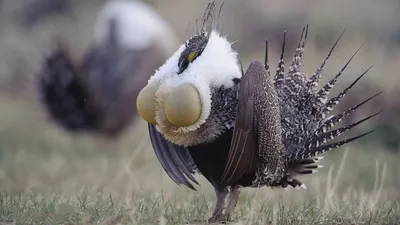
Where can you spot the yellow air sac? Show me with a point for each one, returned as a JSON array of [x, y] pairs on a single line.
[[145, 103], [183, 105]]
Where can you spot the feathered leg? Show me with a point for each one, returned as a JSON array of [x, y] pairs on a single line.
[[217, 215], [219, 205], [233, 199]]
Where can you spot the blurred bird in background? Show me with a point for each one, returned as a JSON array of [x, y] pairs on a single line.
[[97, 94], [239, 129], [34, 11]]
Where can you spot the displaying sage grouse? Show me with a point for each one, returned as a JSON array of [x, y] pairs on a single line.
[[240, 130], [98, 94]]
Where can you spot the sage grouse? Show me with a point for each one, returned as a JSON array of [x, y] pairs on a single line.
[[96, 94], [240, 130]]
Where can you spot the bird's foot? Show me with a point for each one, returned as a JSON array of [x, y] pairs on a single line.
[[216, 219], [219, 218], [196, 222]]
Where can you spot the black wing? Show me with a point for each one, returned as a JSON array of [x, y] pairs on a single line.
[[243, 152], [176, 160]]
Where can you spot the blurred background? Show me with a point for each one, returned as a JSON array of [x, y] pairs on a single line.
[[38, 155]]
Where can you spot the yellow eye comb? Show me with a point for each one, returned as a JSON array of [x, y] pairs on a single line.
[[191, 56]]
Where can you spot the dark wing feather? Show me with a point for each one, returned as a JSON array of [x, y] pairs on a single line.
[[243, 150], [175, 160]]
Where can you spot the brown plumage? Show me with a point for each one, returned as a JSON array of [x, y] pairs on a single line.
[[260, 130], [258, 108], [260, 149]]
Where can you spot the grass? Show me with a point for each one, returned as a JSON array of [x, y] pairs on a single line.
[[51, 177], [35, 208]]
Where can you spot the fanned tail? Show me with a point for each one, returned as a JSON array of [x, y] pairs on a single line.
[[294, 73], [328, 136], [306, 166], [313, 82], [321, 96], [325, 148], [280, 70], [306, 131], [331, 122], [295, 81], [336, 100]]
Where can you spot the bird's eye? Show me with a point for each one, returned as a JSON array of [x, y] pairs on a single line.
[[184, 61]]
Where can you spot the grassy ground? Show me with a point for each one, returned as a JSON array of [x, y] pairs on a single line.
[[33, 208], [50, 177]]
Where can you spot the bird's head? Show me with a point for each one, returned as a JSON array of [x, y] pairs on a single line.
[[178, 96]]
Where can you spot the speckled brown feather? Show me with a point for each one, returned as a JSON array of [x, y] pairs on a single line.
[[256, 143], [267, 124]]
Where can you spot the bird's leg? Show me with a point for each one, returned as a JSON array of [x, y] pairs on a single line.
[[233, 199], [219, 205], [217, 215]]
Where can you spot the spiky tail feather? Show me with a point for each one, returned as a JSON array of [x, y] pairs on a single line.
[[63, 92], [304, 166], [305, 129]]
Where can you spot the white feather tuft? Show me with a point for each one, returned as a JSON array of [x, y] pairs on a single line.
[[139, 26], [169, 68], [303, 186], [218, 63], [217, 66]]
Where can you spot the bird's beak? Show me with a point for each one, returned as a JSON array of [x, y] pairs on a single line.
[[182, 104]]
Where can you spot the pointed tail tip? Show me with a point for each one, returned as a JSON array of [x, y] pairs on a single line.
[[318, 158], [377, 113], [371, 131]]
